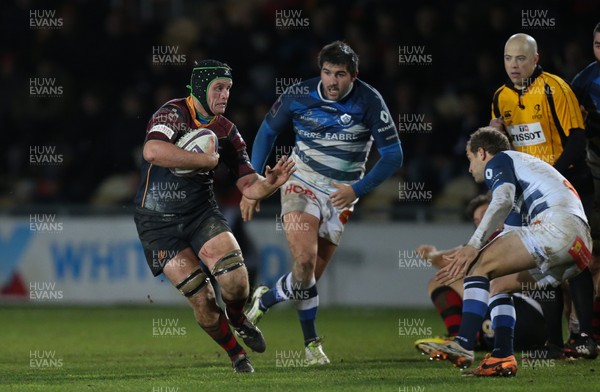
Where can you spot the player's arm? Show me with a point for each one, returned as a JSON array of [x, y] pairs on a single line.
[[252, 185], [431, 253], [459, 261], [568, 117], [578, 85], [497, 212], [256, 187], [497, 120], [501, 179], [166, 154], [276, 121], [159, 148]]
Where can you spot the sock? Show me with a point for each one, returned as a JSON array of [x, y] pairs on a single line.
[[235, 311], [279, 293], [475, 304], [221, 334], [502, 310], [582, 294], [553, 312], [596, 319], [307, 310], [449, 305]]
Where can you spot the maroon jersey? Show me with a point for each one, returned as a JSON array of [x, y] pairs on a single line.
[[162, 191]]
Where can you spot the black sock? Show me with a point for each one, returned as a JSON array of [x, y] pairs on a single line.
[[582, 294], [553, 313]]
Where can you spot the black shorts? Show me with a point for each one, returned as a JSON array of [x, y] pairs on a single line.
[[530, 327], [165, 235]]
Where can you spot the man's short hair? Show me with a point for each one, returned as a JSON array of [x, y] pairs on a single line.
[[339, 53], [490, 139], [597, 28]]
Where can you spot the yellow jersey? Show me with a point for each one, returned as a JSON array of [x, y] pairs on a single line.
[[540, 117]]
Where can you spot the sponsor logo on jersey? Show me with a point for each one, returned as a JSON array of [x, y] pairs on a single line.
[[537, 115], [526, 134], [328, 108], [161, 128]]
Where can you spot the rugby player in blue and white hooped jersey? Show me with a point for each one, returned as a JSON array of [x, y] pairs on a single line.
[[336, 118], [554, 246]]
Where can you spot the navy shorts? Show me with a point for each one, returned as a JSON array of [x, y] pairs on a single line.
[[164, 235]]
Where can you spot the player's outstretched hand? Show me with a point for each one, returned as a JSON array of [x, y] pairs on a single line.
[[343, 197], [281, 172], [459, 262], [248, 207], [425, 251]]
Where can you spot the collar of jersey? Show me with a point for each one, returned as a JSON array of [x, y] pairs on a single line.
[[329, 100], [189, 101], [528, 82]]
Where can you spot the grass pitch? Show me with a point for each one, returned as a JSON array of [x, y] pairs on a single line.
[[160, 349]]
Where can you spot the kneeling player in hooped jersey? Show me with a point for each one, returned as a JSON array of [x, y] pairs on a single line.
[[554, 246], [529, 333], [336, 118], [183, 233]]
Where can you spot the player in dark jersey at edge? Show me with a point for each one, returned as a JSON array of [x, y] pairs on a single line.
[[586, 86], [183, 233], [336, 118]]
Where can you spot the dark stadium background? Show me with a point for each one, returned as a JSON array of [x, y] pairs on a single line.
[[101, 56]]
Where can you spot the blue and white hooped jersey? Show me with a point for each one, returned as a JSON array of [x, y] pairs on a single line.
[[333, 138], [538, 186]]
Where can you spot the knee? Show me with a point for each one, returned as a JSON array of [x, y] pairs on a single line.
[[481, 268], [496, 287], [304, 264], [205, 319], [232, 275], [234, 285], [303, 273]]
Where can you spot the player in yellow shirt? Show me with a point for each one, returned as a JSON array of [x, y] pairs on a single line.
[[540, 114], [539, 111]]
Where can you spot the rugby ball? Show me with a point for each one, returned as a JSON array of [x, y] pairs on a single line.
[[196, 140]]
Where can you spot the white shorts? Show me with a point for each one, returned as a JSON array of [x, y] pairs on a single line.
[[297, 195], [561, 245]]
